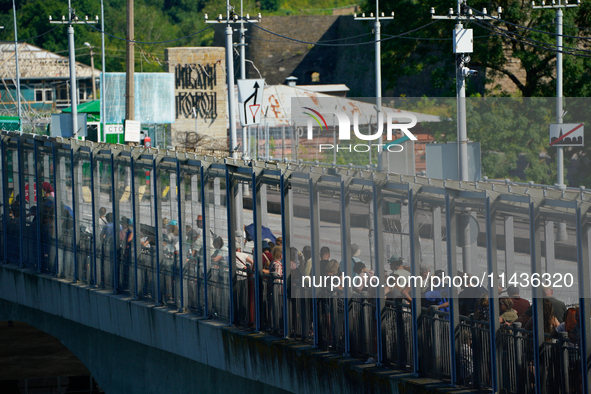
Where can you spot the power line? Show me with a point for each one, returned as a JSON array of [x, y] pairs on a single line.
[[529, 28], [544, 46], [548, 46], [149, 42], [342, 45]]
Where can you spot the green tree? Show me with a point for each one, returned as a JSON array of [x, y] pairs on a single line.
[[499, 50]]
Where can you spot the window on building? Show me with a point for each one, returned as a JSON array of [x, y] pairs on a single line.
[[62, 93], [81, 91], [315, 77], [43, 95]]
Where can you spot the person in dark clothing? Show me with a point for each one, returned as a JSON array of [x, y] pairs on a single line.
[[519, 304], [469, 297], [324, 259]]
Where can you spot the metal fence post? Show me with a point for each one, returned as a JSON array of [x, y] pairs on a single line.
[[452, 267], [74, 175], [157, 229], [115, 208], [537, 305], [491, 256], [517, 340], [258, 266], [231, 194], [21, 195], [564, 364], [583, 233], [93, 208], [414, 252], [286, 233], [204, 220], [37, 198], [434, 363], [5, 207], [180, 208], [378, 231], [315, 243], [346, 251], [134, 207], [476, 368], [55, 218]]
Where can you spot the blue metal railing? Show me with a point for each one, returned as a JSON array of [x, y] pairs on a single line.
[[190, 264]]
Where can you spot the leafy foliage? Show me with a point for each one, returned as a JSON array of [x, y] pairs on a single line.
[[507, 135]]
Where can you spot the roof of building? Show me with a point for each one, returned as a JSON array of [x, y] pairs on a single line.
[[336, 87], [277, 107], [36, 63]]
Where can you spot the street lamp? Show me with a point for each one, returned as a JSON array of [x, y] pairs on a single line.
[[87, 44]]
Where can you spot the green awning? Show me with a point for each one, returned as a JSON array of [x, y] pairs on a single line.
[[9, 123], [91, 107]]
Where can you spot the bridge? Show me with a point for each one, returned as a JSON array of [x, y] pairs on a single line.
[[132, 258]]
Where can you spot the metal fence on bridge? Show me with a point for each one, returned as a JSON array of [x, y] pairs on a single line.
[[166, 226]]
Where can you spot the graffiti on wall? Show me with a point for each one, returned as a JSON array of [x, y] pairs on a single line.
[[200, 80], [204, 104]]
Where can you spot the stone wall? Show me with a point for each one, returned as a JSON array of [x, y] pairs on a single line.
[[277, 58], [200, 86]]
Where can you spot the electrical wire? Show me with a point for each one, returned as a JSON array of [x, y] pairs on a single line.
[[543, 46], [339, 45], [40, 35], [529, 28], [571, 50], [31, 38], [146, 42]]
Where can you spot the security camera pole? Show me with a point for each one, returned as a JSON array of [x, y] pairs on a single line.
[[72, 20], [462, 46], [378, 37], [231, 17]]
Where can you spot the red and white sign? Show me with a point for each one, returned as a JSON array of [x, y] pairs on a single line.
[[27, 192], [567, 134]]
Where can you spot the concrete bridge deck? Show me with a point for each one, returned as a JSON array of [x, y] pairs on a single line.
[[134, 347]]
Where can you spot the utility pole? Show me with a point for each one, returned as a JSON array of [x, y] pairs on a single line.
[[243, 76], [87, 44], [103, 102], [559, 110], [378, 59], [18, 74], [463, 44], [130, 65], [72, 20], [230, 18], [561, 234]]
